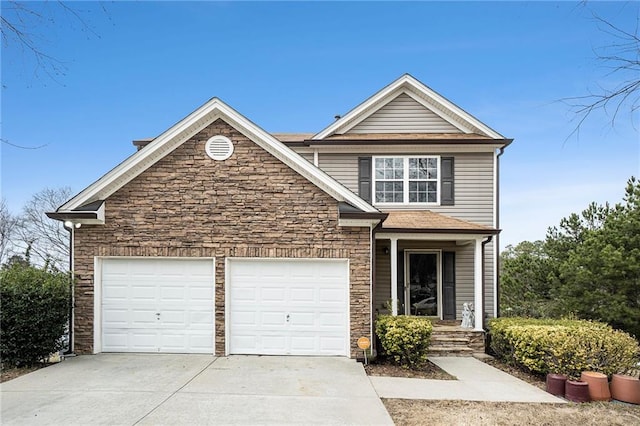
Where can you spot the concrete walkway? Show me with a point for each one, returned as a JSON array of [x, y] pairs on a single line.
[[477, 381]]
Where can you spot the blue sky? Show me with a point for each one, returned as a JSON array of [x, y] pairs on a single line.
[[133, 69]]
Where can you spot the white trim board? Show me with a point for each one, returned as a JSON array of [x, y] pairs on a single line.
[[191, 125]]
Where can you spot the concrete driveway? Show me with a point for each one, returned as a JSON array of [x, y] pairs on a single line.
[[128, 389]]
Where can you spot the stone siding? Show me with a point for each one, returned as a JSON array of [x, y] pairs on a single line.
[[250, 205]]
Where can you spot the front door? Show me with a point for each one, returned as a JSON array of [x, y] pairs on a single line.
[[422, 283]]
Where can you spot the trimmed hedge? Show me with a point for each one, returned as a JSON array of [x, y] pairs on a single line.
[[563, 346], [405, 338], [35, 308]]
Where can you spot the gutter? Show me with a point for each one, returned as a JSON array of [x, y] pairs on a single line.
[[378, 141]]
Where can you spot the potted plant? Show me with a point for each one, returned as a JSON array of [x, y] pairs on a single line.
[[598, 385], [625, 388]]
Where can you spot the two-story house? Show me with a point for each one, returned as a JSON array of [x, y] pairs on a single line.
[[219, 237]]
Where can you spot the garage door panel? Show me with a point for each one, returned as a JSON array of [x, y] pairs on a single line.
[[302, 295], [285, 306], [244, 318], [269, 294], [115, 318], [271, 319], [331, 295], [142, 318], [273, 344], [135, 290]]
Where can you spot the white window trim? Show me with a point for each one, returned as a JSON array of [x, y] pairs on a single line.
[[405, 180]]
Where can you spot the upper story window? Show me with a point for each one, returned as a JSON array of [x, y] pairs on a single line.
[[406, 180]]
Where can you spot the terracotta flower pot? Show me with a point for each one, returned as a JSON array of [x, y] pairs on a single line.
[[556, 384], [598, 385], [577, 391], [625, 388]]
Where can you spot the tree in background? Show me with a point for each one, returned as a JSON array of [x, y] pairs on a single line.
[[44, 241], [524, 285], [588, 266], [599, 277], [8, 227]]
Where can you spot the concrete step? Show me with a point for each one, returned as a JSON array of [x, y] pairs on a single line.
[[450, 351], [455, 339]]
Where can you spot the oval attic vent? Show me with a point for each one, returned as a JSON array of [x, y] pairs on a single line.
[[219, 147]]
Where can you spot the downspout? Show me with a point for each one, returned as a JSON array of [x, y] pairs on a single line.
[[70, 226], [497, 244], [484, 243], [372, 275]]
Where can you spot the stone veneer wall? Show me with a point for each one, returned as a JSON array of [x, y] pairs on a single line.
[[250, 205]]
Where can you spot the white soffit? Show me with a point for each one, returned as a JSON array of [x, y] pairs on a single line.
[[419, 92], [191, 125]]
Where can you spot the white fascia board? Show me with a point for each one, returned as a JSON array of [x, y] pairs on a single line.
[[437, 108], [429, 236], [365, 223], [415, 89], [406, 149], [448, 107], [191, 125], [151, 153]]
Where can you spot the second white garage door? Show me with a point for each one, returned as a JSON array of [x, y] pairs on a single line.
[[288, 307]]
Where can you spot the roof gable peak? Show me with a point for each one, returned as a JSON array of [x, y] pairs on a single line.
[[447, 111]]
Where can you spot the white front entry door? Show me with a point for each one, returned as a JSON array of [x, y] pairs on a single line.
[[157, 305], [288, 307]]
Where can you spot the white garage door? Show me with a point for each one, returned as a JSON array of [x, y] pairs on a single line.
[[288, 307], [157, 305]]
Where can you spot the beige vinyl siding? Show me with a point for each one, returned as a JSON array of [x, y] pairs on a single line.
[[382, 290], [404, 115], [341, 167], [473, 184], [307, 156], [464, 272], [473, 189]]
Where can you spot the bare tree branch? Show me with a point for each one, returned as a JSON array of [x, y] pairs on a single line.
[[46, 239], [22, 25], [622, 58], [8, 228], [22, 146]]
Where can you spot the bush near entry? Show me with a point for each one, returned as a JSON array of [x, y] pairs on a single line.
[[563, 346], [405, 338], [35, 308]]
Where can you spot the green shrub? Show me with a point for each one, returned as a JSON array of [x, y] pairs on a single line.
[[405, 338], [563, 346], [33, 315]]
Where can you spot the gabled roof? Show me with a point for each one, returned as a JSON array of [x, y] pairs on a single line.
[[431, 100], [188, 127]]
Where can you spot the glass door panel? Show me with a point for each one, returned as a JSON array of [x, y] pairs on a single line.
[[422, 283]]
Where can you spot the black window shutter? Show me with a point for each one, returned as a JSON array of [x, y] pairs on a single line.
[[364, 178], [449, 285], [447, 181]]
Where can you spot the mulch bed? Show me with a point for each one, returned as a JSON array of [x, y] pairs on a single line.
[[7, 374], [533, 379], [384, 367]]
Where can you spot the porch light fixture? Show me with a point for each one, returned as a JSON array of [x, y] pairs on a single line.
[[386, 250]]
